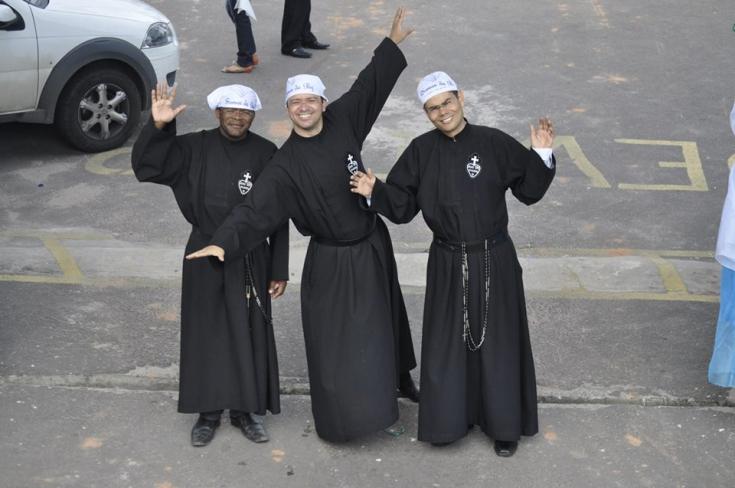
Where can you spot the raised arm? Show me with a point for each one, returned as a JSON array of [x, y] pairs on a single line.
[[364, 100], [158, 155], [527, 175]]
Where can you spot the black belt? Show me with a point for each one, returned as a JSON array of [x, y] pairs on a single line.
[[351, 242], [205, 236], [473, 246]]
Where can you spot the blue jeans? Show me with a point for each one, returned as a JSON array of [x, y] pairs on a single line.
[[722, 365], [244, 33]]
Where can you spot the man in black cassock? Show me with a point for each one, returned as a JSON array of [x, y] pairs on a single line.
[[358, 343], [476, 361], [228, 353]]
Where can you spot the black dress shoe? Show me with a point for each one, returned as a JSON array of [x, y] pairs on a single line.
[[407, 387], [203, 431], [315, 45], [505, 448], [252, 427], [298, 52]]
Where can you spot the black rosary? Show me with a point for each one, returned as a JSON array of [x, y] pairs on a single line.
[[250, 288]]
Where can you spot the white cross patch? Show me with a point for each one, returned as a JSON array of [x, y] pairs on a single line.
[[473, 166], [244, 184], [352, 164]]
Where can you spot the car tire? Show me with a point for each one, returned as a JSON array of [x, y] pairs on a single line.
[[98, 109]]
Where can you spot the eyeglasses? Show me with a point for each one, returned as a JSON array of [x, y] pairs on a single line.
[[434, 109], [238, 112]]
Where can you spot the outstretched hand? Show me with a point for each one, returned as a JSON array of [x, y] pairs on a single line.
[[543, 135], [215, 251], [363, 183], [397, 32], [162, 109]]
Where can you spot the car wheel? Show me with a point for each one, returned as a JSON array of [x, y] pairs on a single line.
[[98, 109]]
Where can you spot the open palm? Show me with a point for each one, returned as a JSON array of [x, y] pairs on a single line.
[[543, 135], [162, 109], [397, 32]]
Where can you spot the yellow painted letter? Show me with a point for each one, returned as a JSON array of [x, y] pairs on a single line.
[[691, 162], [597, 180]]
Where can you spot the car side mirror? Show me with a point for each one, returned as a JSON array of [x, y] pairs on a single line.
[[9, 19]]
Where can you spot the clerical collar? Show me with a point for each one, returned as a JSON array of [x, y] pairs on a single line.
[[227, 138], [315, 137], [461, 134], [296, 135]]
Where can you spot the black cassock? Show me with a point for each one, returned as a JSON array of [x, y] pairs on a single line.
[[228, 353], [355, 324], [459, 185]]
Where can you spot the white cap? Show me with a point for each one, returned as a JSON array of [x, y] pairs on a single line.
[[433, 84], [234, 96], [304, 84]]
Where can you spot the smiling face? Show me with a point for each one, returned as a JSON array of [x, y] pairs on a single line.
[[234, 122], [446, 112], [305, 111]]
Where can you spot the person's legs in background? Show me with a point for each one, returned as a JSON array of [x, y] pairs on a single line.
[[296, 30], [247, 59]]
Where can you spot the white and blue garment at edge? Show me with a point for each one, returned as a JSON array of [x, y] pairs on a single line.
[[247, 7], [722, 365]]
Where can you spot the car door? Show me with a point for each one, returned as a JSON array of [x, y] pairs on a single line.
[[19, 58]]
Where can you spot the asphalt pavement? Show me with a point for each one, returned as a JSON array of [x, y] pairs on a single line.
[[618, 265]]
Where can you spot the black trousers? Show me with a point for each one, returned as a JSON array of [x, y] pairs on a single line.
[[244, 33], [296, 28]]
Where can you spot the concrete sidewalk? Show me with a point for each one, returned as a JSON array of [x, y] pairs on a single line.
[[105, 438]]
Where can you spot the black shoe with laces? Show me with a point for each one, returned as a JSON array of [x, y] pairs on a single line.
[[298, 52], [316, 45], [203, 431], [251, 426]]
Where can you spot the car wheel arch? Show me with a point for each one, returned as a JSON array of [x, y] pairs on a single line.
[[102, 53]]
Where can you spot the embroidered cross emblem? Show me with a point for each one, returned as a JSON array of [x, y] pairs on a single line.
[[352, 164], [473, 166], [244, 184]]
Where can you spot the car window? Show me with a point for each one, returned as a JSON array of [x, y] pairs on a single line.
[[38, 3]]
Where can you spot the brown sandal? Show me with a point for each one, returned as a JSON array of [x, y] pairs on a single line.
[[236, 68]]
